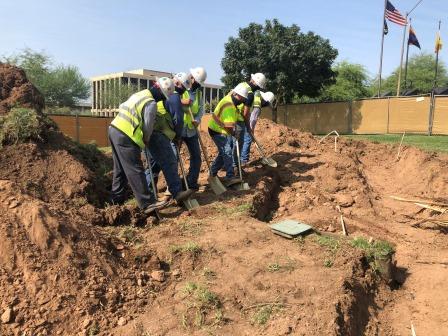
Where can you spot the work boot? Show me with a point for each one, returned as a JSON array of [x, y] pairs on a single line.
[[155, 206], [227, 181], [183, 195]]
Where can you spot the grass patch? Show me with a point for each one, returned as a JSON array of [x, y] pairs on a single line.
[[208, 274], [227, 210], [203, 307], [378, 249], [132, 202], [287, 266], [191, 247], [263, 314], [436, 143], [105, 150], [190, 228], [20, 125], [332, 244], [130, 235]]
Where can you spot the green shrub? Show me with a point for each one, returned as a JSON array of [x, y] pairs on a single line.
[[20, 125]]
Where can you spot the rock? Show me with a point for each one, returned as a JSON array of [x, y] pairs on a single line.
[[7, 316], [344, 200], [176, 272], [158, 275], [86, 323], [122, 321], [331, 228]]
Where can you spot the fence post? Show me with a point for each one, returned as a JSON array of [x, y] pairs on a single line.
[[388, 114], [350, 117], [432, 106], [285, 116], [77, 125]]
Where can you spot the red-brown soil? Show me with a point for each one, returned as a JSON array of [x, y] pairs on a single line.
[[64, 271], [16, 90]]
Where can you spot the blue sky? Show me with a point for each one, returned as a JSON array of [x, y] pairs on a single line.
[[102, 36]]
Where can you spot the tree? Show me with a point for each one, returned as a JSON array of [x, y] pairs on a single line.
[[420, 74], [352, 82], [294, 63], [60, 85]]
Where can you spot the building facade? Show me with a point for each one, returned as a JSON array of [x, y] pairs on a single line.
[[109, 91]]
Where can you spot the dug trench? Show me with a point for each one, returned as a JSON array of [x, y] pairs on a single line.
[[71, 264]]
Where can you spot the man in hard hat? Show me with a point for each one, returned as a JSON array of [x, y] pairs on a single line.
[[129, 133], [221, 129], [261, 99], [256, 83], [192, 100], [167, 129]]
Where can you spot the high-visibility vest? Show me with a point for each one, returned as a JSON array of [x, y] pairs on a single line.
[[194, 106], [256, 103], [241, 107], [129, 117], [164, 121], [224, 115]]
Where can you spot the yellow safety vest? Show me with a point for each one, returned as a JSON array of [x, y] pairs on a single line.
[[164, 122], [194, 107], [129, 117], [224, 115], [256, 103], [241, 107]]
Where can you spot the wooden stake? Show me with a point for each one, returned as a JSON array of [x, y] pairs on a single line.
[[344, 229], [418, 201], [399, 148]]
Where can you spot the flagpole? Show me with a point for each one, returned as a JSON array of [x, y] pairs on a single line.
[[382, 48], [406, 64], [437, 57], [401, 57]]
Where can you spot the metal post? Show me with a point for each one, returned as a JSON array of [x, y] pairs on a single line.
[[382, 48], [401, 57]]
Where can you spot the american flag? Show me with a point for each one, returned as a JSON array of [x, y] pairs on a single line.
[[393, 15]]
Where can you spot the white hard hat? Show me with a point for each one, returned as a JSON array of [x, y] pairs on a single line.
[[259, 79], [268, 97], [184, 79], [199, 74], [166, 85], [242, 90]]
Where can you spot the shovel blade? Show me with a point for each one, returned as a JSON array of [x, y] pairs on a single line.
[[191, 203], [216, 185], [269, 162], [243, 186]]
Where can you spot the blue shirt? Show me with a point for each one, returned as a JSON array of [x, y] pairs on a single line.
[[174, 107], [191, 132]]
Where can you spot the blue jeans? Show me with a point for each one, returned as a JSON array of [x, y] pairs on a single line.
[[195, 160], [240, 132], [245, 152], [224, 158], [165, 160]]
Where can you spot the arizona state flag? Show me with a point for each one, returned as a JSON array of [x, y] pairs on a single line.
[[413, 38], [439, 43]]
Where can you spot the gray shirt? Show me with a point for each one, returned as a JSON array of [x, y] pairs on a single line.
[[148, 119]]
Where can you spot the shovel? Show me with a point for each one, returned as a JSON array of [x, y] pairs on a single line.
[[214, 182], [268, 161], [189, 203], [154, 189], [242, 185]]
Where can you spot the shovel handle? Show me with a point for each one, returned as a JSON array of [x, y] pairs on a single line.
[[182, 168], [257, 143], [204, 151], [148, 161]]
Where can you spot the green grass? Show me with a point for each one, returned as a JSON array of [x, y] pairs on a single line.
[[191, 247], [436, 143]]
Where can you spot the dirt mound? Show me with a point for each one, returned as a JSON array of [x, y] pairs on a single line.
[[16, 90]]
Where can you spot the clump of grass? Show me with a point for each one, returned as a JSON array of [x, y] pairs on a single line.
[[208, 273], [264, 313], [191, 247], [130, 235], [131, 202], [278, 266], [79, 201], [332, 244], [328, 263], [94, 329], [202, 306], [20, 125], [240, 209], [191, 228], [375, 251]]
